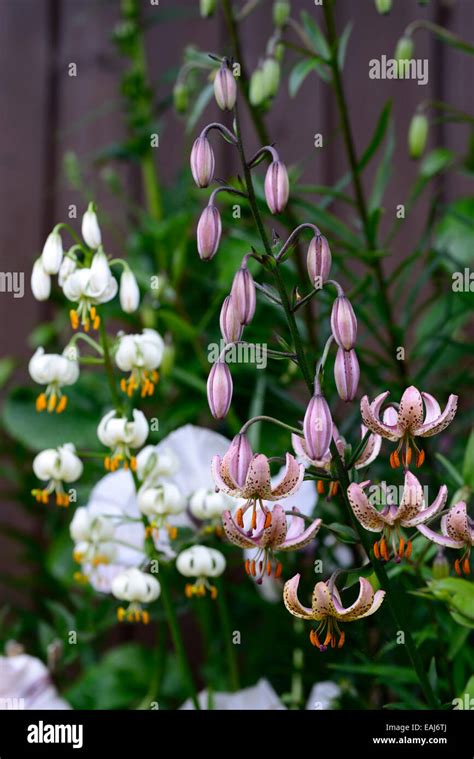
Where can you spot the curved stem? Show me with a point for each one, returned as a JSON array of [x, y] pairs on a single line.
[[261, 154], [226, 133], [294, 236], [87, 339], [271, 419]]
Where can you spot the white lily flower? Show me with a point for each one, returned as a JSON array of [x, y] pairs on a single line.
[[55, 371], [94, 553], [68, 267], [90, 228], [140, 355], [260, 696], [159, 502], [136, 587], [25, 683], [94, 538], [207, 504], [52, 254], [151, 465], [129, 292], [122, 435], [200, 562], [89, 287], [40, 281], [56, 466]]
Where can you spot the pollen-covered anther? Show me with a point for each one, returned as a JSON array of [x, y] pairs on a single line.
[[384, 550], [333, 488], [41, 402], [172, 532], [376, 550], [247, 566], [313, 636], [268, 520], [457, 567], [466, 567], [401, 548], [239, 517], [278, 569], [73, 315], [342, 638], [394, 460], [52, 402], [61, 405], [420, 458], [408, 549], [320, 487]]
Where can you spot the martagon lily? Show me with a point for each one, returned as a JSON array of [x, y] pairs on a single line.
[[242, 474], [411, 512], [269, 540], [327, 609], [418, 415], [457, 531]]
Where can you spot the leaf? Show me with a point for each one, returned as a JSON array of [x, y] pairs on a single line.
[[343, 42], [451, 469], [7, 365], [378, 136], [343, 532], [468, 463], [435, 162], [380, 672], [316, 36], [433, 675], [384, 172], [299, 74], [454, 235], [200, 104]]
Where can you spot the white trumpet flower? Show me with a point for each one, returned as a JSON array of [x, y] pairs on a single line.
[[207, 504], [140, 355], [56, 466], [160, 502], [40, 281], [136, 587], [90, 228], [153, 464], [121, 435], [55, 371], [89, 287], [200, 562], [52, 254], [129, 293]]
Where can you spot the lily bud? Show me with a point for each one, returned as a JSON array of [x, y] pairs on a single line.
[[180, 97], [225, 88], [129, 293], [403, 52], [343, 323], [317, 426], [383, 6], [257, 92], [229, 321], [207, 8], [90, 228], [202, 162], [40, 281], [271, 76], [209, 231], [319, 260], [417, 135], [219, 390], [244, 295], [52, 254], [281, 12], [346, 374], [277, 188]]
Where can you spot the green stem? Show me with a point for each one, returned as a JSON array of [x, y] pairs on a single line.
[[109, 367], [271, 419], [176, 637], [227, 632]]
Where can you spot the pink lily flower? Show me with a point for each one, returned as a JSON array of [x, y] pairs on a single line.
[[241, 474], [417, 415], [269, 540], [326, 608], [411, 512], [457, 531]]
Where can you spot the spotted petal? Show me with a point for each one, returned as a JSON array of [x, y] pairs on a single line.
[[322, 602], [362, 606], [371, 450], [222, 478], [301, 538], [371, 417], [441, 540], [428, 429], [291, 601], [410, 413], [275, 534], [412, 501], [425, 514], [432, 408], [455, 523], [291, 480], [257, 482], [363, 510], [236, 534]]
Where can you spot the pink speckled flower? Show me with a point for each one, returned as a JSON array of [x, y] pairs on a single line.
[[411, 512], [326, 608], [417, 415], [268, 540], [457, 531]]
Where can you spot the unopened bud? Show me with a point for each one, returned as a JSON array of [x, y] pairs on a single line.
[[271, 77], [90, 228], [202, 162], [277, 187], [440, 568], [343, 323], [244, 295], [180, 97], [318, 260], [40, 281], [281, 12], [317, 426], [230, 324], [219, 390], [209, 231], [129, 294], [257, 92], [346, 374], [403, 53], [383, 6], [52, 254], [417, 135], [207, 8], [225, 88]]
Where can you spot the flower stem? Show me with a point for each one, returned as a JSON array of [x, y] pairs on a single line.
[[227, 632], [271, 419], [109, 367]]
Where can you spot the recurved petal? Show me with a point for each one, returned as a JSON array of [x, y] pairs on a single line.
[[441, 422], [322, 602], [275, 534], [371, 417], [301, 539], [291, 601], [361, 606], [257, 482], [291, 480], [371, 450], [412, 501], [235, 534], [410, 413], [222, 478], [363, 510], [376, 604], [431, 511], [456, 524], [432, 408], [441, 540]]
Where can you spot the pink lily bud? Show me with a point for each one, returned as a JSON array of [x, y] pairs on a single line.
[[343, 323], [244, 295], [346, 374], [219, 390], [202, 162], [209, 231], [238, 458], [317, 426], [225, 88], [319, 260], [230, 324], [277, 187]]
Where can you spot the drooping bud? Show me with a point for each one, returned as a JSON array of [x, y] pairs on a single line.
[[403, 53], [207, 7], [346, 374], [52, 254], [277, 187], [129, 293], [238, 458], [271, 76], [202, 162], [219, 390], [90, 228], [40, 281], [343, 323], [383, 6], [225, 88], [180, 97], [243, 295], [417, 135], [257, 92], [317, 426], [209, 231], [440, 568], [319, 260], [230, 324], [281, 12]]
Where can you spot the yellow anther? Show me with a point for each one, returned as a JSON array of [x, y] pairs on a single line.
[[133, 464], [123, 385], [74, 318], [96, 323], [41, 402], [52, 402], [121, 614], [61, 405], [145, 617], [87, 325], [107, 463], [93, 312]]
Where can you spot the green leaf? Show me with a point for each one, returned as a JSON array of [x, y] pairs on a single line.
[[436, 161], [299, 74], [454, 235], [343, 42], [468, 463], [7, 365], [384, 172], [378, 136], [343, 532], [451, 469], [433, 675], [380, 672], [200, 104], [316, 36]]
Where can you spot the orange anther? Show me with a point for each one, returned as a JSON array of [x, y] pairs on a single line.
[[278, 570], [268, 520], [401, 547], [376, 550], [466, 566], [269, 567], [252, 568], [247, 566], [383, 550], [254, 519], [320, 487], [341, 640], [420, 458], [394, 460], [408, 549], [239, 516], [457, 567]]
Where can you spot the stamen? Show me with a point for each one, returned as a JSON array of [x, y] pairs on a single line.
[[213, 590], [247, 566], [268, 520], [107, 463], [278, 570], [394, 460], [269, 568], [420, 458], [52, 403], [145, 617], [313, 636], [341, 639], [254, 518], [239, 517], [41, 402], [457, 567], [87, 325], [61, 405], [252, 568], [74, 318], [383, 550], [376, 550], [320, 487], [408, 549], [401, 546], [133, 463], [123, 385], [121, 614], [466, 566]]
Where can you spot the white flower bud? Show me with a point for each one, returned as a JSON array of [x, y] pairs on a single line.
[[161, 500], [52, 254], [90, 228], [40, 281], [129, 292], [135, 586], [200, 561]]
